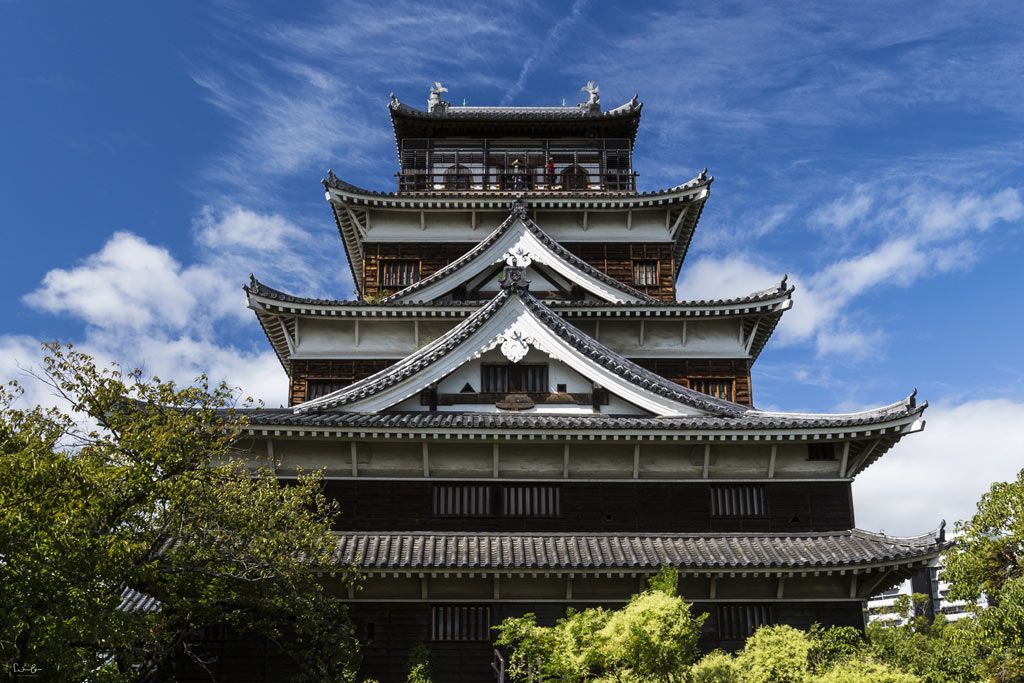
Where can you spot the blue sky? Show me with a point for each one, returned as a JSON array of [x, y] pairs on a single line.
[[155, 154]]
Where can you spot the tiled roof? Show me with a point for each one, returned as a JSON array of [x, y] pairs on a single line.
[[532, 113], [740, 303], [588, 346], [518, 213], [747, 420], [416, 551], [134, 601]]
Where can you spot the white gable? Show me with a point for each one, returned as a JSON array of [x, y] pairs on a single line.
[[514, 331]]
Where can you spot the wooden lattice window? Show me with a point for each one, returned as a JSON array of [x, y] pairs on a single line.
[[738, 622], [501, 379], [531, 501], [713, 386], [460, 623], [737, 500], [399, 272], [645, 272], [462, 500]]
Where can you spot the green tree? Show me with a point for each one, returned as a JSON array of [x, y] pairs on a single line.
[[653, 638], [937, 651], [776, 654], [864, 671], [419, 665], [988, 560], [715, 667], [137, 485]]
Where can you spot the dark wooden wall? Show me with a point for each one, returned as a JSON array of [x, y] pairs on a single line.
[[397, 628], [614, 259], [341, 373], [590, 507], [679, 370]]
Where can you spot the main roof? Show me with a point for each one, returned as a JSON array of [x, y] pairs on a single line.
[[530, 121], [692, 553]]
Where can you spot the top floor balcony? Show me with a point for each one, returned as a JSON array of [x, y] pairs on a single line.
[[585, 165]]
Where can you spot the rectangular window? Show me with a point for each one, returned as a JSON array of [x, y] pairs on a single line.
[[531, 501], [738, 622], [821, 451], [486, 500], [460, 623], [501, 379], [462, 500], [719, 388], [737, 500], [399, 272], [645, 272]]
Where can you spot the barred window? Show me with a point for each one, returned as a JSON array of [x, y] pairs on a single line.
[[500, 379], [486, 500], [531, 501], [399, 272], [645, 272], [821, 451], [462, 500], [460, 623], [737, 500], [719, 388], [738, 622]]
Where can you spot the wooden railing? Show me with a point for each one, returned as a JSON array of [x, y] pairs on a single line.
[[531, 180]]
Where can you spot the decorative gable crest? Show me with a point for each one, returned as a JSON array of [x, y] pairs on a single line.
[[515, 345]]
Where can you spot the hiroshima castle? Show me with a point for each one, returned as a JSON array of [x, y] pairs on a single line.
[[518, 414]]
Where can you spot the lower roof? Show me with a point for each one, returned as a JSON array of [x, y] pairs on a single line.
[[455, 551]]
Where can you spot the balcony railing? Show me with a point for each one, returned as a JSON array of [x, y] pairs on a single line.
[[538, 180]]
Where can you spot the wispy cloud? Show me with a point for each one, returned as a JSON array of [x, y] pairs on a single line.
[[918, 232], [551, 39]]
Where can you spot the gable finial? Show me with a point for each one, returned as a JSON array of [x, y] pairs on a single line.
[[942, 532], [593, 103], [434, 101], [518, 207]]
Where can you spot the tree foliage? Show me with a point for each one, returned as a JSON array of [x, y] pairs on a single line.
[[988, 561], [653, 638], [136, 486]]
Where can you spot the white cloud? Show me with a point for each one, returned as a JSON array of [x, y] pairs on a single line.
[[923, 232], [129, 283], [942, 472], [145, 308]]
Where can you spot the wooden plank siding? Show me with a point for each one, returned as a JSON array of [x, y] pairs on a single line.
[[600, 507], [337, 373], [614, 259], [681, 370]]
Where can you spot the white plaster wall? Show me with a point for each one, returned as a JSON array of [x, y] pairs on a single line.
[[525, 460], [671, 461], [454, 459], [389, 459], [648, 225], [312, 454], [791, 461], [736, 461], [601, 461]]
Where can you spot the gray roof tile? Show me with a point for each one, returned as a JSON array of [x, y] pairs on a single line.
[[423, 550]]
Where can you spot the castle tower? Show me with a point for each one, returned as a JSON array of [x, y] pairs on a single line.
[[517, 414]]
